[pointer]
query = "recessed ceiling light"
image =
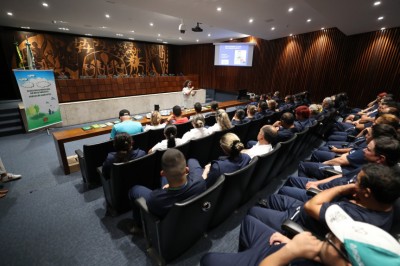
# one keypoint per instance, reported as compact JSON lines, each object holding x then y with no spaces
{"x":209,"y":35}
{"x":132,"y":31}
{"x":165,"y":42}
{"x":197,"y":40}
{"x":180,"y":38}
{"x":64,"y":29}
{"x":291,"y":34}
{"x":290,"y":9}
{"x":151,"y":24}
{"x":159,"y":35}
{"x":251,"y":20}
{"x":103,"y":27}
{"x":231,"y":39}
{"x":9,"y":13}
{"x":309,"y":20}
{"x":131,"y":39}
{"x":219,"y":9}
{"x":88,"y":34}
{"x":119,"y":34}
{"x":383,"y":28}
{"x":322,"y":28}
{"x":377,"y":3}
{"x":273,"y":28}
{"x":25,"y":27}
{"x":380,"y":18}
{"x":45,"y":4}
{"x":107,"y":16}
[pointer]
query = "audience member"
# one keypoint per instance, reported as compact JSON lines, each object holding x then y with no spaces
{"x":288,"y":105}
{"x":183,"y":183}
{"x":155,"y":121}
{"x":234,"y":159}
{"x":176,"y":116}
{"x":124,"y":152}
{"x":198,"y":131}
{"x":170,"y":141}
{"x":263,"y":110}
{"x":285,"y":127}
{"x":222,"y":122}
{"x":251,"y":112}
{"x":265,"y":139}
{"x":303,"y":120}
{"x":126,"y":125}
{"x":239,"y":118}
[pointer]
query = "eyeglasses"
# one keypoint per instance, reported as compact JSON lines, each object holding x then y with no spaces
{"x":341,"y":251}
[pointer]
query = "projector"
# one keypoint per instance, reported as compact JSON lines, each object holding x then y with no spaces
{"x":197,"y":28}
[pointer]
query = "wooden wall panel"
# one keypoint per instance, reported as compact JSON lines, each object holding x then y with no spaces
{"x":323,"y":63}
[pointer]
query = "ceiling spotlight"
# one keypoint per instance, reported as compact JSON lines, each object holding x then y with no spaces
{"x":197,"y":28}
{"x":45,"y":4}
{"x":107,"y":16}
{"x":380,"y":18}
{"x":151,"y":24}
{"x":9,"y":13}
{"x":273,"y":28}
{"x":383,"y":28}
{"x":290,"y":9}
{"x":377,"y":3}
{"x":309,"y":20}
{"x":219,"y":9}
{"x":251,"y":20}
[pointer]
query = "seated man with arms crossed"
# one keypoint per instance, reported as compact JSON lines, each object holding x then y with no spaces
{"x":182,"y":184}
{"x":126,"y":125}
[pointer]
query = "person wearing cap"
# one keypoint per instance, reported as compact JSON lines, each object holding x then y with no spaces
{"x":348,"y":243}
{"x":369,"y":199}
{"x":126,"y":125}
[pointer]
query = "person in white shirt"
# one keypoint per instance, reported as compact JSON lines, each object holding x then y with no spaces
{"x":188,"y":90}
{"x":222,"y":122}
{"x":198,"y":131}
{"x":170,"y":141}
{"x":155,"y":121}
{"x":265,"y":139}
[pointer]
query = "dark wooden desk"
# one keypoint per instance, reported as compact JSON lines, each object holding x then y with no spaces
{"x":62,"y":137}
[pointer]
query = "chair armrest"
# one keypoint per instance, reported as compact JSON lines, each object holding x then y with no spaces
{"x":79,"y":153}
{"x":100,"y":170}
{"x":331,"y":172}
{"x":291,"y":228}
{"x":150,"y":224}
{"x":313,"y":191}
{"x":141,"y":202}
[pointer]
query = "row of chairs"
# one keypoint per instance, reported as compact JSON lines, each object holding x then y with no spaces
{"x":187,"y":221}
{"x":93,"y":155}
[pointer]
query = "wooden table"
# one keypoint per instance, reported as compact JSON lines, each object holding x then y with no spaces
{"x":62,"y":137}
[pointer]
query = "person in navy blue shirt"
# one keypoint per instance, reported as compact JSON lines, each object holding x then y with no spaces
{"x":183,"y":183}
{"x":370,"y":199}
{"x":233,"y":161}
{"x":302,"y":118}
{"x":263,"y":110}
{"x":285,"y":127}
{"x":124,"y":152}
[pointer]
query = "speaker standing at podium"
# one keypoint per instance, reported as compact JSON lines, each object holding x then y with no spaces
{"x":188,"y":90}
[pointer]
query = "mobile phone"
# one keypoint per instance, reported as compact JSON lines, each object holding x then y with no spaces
{"x":157,"y":107}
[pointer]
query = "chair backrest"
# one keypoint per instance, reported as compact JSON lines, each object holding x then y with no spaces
{"x":185,"y":223}
{"x":185,"y":149}
{"x":141,"y":141}
{"x":241,"y":131}
{"x":300,"y":143}
{"x":395,"y":230}
{"x":231,"y":114}
{"x":200,"y":149}
{"x":141,"y":171}
{"x":216,"y":150}
{"x":284,"y":157}
{"x":260,"y":177}
{"x":94,"y":156}
{"x":253,"y":130}
{"x":232,"y":192}
{"x":210,"y":120}
{"x":155,"y":136}
{"x":183,"y":128}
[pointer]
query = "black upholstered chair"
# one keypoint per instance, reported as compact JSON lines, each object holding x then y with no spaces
{"x":185,"y":149}
{"x":284,"y":157}
{"x":90,"y":158}
{"x":143,"y":171}
{"x":155,"y":136}
{"x":300,"y":144}
{"x":200,"y":149}
{"x":216,"y":150}
{"x":183,"y":128}
{"x":260,"y":177}
{"x":241,"y":131}
{"x":184,"y":224}
{"x":141,"y":141}
{"x":210,"y":120}
{"x":253,"y":130}
{"x":232,"y":192}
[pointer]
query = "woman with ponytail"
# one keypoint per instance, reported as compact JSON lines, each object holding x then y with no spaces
{"x":124,"y":152}
{"x":170,"y":140}
{"x":198,"y":131}
{"x":233,"y":161}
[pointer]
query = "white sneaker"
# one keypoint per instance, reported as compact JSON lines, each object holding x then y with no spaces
{"x":10,"y":177}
